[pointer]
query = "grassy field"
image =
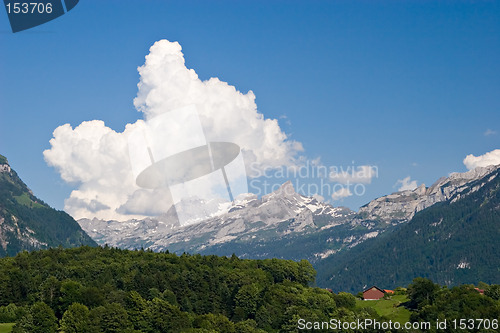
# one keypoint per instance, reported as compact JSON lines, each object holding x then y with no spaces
{"x":25,"y":200}
{"x":6,"y":328}
{"x":389,"y":308}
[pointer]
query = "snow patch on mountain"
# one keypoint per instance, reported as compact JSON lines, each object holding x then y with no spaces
{"x":280,"y":213}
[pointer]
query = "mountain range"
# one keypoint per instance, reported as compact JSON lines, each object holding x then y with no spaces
{"x":447,"y":232}
{"x":285,"y":224}
{"x":277,"y":215}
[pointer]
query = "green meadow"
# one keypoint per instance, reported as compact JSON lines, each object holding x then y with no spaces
{"x":390,"y":308}
{"x":6,"y":327}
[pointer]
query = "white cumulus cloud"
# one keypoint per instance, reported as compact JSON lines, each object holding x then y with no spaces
{"x":406,"y":184}
{"x":490,"y":158}
{"x":341,"y":193}
{"x":95,"y":158}
{"x":362,"y":174}
{"x":490,"y":132}
{"x":225,"y":113}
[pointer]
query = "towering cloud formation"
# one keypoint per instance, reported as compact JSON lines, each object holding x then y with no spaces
{"x":95,"y":158}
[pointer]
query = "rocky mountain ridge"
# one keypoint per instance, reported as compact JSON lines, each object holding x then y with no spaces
{"x":402,"y":206}
{"x":247,"y":218}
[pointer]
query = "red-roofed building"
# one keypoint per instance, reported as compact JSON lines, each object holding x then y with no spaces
{"x":481,"y":291}
{"x":373,"y":293}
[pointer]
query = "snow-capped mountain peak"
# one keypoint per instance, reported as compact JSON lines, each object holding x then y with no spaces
{"x":283,"y":211}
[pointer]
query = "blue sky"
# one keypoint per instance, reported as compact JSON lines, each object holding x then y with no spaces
{"x":411,"y":87}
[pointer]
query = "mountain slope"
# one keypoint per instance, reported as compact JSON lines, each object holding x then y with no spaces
{"x":452,"y":242}
{"x":27,"y":223}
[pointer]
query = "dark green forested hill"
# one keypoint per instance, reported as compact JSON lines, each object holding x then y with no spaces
{"x":27,"y":223}
{"x":94,"y":289}
{"x":453,"y":242}
{"x":101,"y":290}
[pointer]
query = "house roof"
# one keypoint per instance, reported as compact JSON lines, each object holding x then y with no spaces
{"x":364,"y":291}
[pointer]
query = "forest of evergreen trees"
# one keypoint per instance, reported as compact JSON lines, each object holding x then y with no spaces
{"x":95,"y":289}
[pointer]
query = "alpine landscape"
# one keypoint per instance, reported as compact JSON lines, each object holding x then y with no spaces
{"x":250,"y":166}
